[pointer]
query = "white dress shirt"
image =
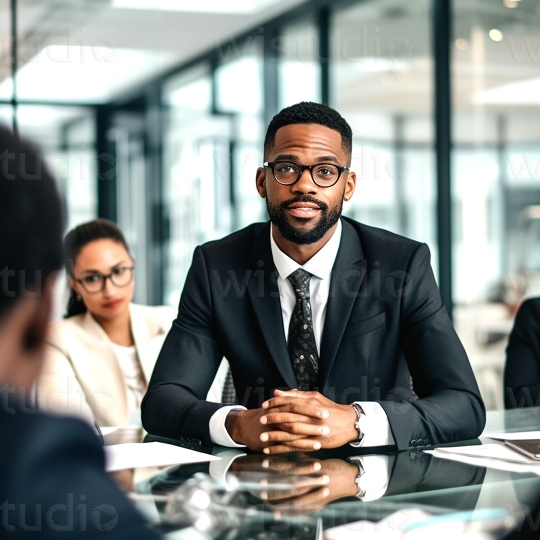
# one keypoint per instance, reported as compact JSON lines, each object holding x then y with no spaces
{"x":374,"y":423}
{"x":136,"y":386}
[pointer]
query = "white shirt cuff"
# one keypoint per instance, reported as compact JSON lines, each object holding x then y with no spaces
{"x":374,"y":480}
{"x":218,"y":469}
{"x":374,"y":425}
{"x":218,"y":431}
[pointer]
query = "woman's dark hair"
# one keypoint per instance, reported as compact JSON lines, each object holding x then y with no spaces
{"x":75,"y":240}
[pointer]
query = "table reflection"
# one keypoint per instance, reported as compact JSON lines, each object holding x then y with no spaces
{"x":288,"y":496}
{"x":297,"y":484}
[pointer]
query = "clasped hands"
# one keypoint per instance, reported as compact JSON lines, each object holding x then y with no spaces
{"x":300,"y":486}
{"x":291,"y":421}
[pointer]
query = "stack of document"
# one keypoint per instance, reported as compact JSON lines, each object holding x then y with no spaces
{"x":495,"y":456}
{"x":415,"y":524}
{"x":154,"y":454}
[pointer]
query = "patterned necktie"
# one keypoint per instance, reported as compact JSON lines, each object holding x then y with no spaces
{"x":301,"y":341}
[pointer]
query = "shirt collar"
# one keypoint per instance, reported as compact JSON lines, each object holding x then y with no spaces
{"x":320,"y":265}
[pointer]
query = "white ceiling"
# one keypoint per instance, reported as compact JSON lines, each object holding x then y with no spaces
{"x":488,"y":76}
{"x":148,"y":41}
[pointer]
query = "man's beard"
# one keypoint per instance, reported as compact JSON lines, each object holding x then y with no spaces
{"x":327,"y":220}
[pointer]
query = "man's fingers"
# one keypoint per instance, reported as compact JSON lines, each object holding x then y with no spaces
{"x":270,"y":436}
{"x":284,"y":466}
{"x":281,"y":443}
{"x":311,"y":501}
{"x":298,"y":489}
{"x":297,"y":428}
{"x":281,"y":496}
{"x":283,"y":417}
{"x":296,"y":405}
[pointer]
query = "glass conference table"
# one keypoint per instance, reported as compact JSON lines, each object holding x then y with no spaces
{"x":305,"y":496}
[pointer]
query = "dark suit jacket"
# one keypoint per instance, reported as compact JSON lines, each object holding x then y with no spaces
{"x":522,"y":371}
{"x":384,"y":319}
{"x":53,"y":483}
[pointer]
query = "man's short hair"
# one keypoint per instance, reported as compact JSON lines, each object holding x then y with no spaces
{"x":31,"y":221}
{"x":308,"y":112}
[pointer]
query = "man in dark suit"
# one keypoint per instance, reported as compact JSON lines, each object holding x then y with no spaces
{"x":52,"y":478}
{"x":522,"y":369}
{"x":323,"y":320}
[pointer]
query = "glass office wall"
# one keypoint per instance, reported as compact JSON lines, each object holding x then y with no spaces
{"x":381,"y":82}
{"x":66,"y":136}
{"x":212,"y":148}
{"x":496,"y":188}
{"x":240,"y":98}
{"x":299,"y":63}
{"x":188,"y":173}
{"x":186,"y":144}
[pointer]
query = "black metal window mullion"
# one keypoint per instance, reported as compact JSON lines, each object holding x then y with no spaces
{"x":441,"y":32}
{"x":324,"y":53}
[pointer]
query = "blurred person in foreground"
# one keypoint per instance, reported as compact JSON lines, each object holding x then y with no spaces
{"x":522,"y":369}
{"x":52,"y":478}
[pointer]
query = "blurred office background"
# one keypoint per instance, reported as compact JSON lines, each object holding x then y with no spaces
{"x":152,"y":113}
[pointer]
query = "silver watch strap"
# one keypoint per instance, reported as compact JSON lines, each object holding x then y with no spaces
{"x":359,"y":412}
{"x":357,"y":460}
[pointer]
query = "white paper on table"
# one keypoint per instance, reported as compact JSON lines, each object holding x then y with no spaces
{"x":391,"y":527}
{"x":154,"y":454}
{"x":521,"y":436}
{"x":493,"y":456}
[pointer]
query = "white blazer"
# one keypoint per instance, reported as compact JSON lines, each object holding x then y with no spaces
{"x":81,"y":375}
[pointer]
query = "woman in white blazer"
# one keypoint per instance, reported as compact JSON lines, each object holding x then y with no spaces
{"x":101,"y":356}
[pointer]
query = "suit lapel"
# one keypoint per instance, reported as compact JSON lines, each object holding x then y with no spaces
{"x":347,"y":276}
{"x":266,"y":303}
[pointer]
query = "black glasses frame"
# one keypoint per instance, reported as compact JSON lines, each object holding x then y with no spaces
{"x":302,"y":168}
{"x":105,"y":277}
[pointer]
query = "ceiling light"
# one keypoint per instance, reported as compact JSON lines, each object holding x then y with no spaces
{"x":495,"y":35}
{"x":462,"y":44}
{"x":200,"y":6}
{"x":510,"y":3}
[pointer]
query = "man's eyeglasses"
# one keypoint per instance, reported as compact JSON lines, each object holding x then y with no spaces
{"x":288,"y":173}
{"x":95,"y":283}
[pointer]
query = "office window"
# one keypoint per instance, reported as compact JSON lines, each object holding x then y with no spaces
{"x":299,"y":67}
{"x":496,"y":178}
{"x":240,"y":101}
{"x":66,"y":135}
{"x":189,"y":187}
{"x":381,"y":82}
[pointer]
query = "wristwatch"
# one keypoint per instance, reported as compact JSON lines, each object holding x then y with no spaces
{"x":359,"y":412}
{"x":357,"y":460}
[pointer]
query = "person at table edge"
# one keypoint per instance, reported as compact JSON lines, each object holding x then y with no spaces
{"x":52,"y":479}
{"x":372,"y":321}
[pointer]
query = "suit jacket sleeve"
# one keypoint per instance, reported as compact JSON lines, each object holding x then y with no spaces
{"x":522,"y":370}
{"x":58,"y":470}
{"x":449,"y":407}
{"x":174,"y":405}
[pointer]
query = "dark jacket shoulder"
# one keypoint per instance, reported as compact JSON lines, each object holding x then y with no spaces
{"x":380,"y":241}
{"x":237,"y":243}
{"x":50,"y":462}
